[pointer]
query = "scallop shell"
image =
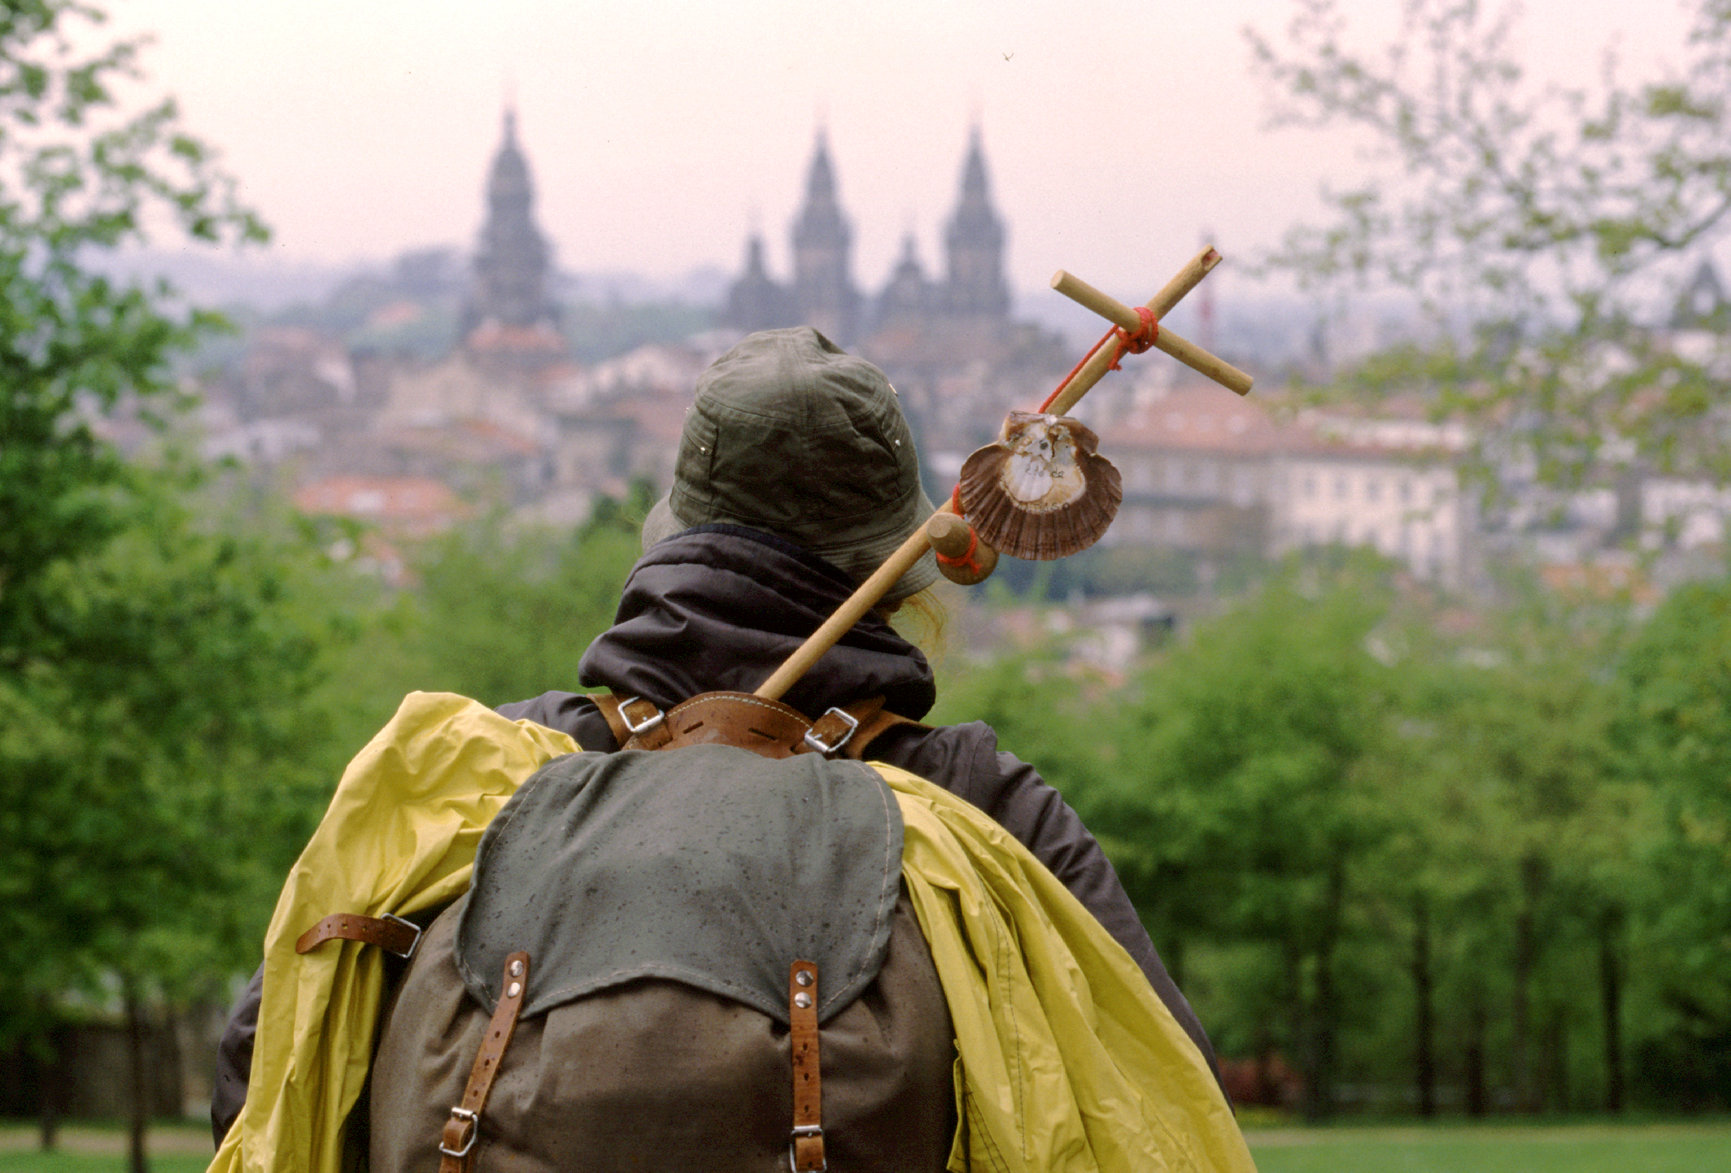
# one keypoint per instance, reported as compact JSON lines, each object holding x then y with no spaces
{"x":1041,"y":491}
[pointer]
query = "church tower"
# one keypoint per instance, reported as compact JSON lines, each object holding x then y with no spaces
{"x":823,"y":290}
{"x":755,"y":301}
{"x":1702,"y":304}
{"x":509,"y":290}
{"x":975,"y":287}
{"x":906,"y":302}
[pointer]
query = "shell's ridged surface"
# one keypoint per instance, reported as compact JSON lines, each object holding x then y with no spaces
{"x":1042,"y":491}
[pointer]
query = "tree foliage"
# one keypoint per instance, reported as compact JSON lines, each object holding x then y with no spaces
{"x":1543,"y":230}
{"x":78,"y":176}
{"x":158,"y":761}
{"x":1426,"y":858}
{"x":150,"y":662}
{"x":503,"y":612}
{"x":1250,"y":742}
{"x":1676,"y":729}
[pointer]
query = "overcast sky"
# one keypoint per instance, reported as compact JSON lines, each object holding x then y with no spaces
{"x":660,"y":134}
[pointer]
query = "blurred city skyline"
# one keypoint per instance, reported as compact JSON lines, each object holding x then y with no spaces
{"x":1117,"y":134}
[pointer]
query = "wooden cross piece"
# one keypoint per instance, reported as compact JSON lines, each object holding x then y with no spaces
{"x":1103,"y":358}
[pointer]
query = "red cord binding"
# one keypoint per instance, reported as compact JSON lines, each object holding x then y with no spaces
{"x":965,"y":559}
{"x":1126,"y":342}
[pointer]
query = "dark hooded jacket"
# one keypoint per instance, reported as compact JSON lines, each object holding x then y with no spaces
{"x":720,"y":608}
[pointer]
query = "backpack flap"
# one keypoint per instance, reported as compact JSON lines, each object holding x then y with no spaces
{"x":709,"y":865}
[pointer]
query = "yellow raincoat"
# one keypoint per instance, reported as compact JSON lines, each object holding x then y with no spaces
{"x":1068,"y":1059}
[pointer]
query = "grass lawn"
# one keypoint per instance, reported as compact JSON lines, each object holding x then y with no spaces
{"x":101,"y":1148}
{"x":1495,"y":1148}
{"x":1440,"y":1148}
{"x":67,"y":1162}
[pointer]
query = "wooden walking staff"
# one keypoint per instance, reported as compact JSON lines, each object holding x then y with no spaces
{"x":1137,"y":331}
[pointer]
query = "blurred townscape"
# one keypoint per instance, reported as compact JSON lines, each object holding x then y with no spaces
{"x":485,"y":379}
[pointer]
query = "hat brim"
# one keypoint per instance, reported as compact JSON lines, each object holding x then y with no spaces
{"x":660,"y":524}
{"x":861,"y":559}
{"x":857,"y":560}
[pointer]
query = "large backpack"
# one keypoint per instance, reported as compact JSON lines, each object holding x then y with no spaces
{"x":696,"y":958}
{"x":1066,"y":1058}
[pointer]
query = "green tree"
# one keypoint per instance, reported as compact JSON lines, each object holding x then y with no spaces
{"x":1389,"y":848}
{"x":81,"y":178}
{"x":1676,"y":730}
{"x":160,"y":762}
{"x":503,"y":613}
{"x":1508,"y":779}
{"x":1239,"y":803}
{"x":1542,"y":233}
{"x":1537,"y":228}
{"x":97,"y":756}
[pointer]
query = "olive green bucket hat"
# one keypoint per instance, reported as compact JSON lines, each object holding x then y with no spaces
{"x":791,"y":435}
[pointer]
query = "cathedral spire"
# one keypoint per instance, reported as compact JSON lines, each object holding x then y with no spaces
{"x":513,"y":258}
{"x":907,"y":299}
{"x":820,"y":201}
{"x":822,"y":243}
{"x":974,"y":240}
{"x":755,"y":301}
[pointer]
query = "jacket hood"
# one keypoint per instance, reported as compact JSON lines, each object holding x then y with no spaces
{"x":720,"y":607}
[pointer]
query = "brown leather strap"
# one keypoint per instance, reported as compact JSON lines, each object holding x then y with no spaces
{"x":870,"y":726}
{"x":805,"y":1145}
{"x":635,"y":722}
{"x":391,"y":933}
{"x":457,"y":1140}
{"x":608,"y":703}
{"x":742,"y":719}
{"x":750,"y":722}
{"x":834,"y":731}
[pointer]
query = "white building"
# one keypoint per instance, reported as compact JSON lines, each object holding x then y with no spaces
{"x":1387,"y":482}
{"x":1682,"y":514}
{"x":1206,"y":471}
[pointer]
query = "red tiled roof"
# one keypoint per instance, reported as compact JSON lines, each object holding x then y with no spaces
{"x":1203,"y":418}
{"x":492,"y":337}
{"x":660,"y":416}
{"x":475,"y":440}
{"x":409,"y":503}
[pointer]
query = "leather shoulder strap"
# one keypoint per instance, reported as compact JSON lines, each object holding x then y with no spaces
{"x":736,"y":718}
{"x":634,"y":722}
{"x":391,"y":933}
{"x":608,"y":703}
{"x":870,"y":726}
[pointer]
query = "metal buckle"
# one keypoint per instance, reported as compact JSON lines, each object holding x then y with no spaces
{"x":800,"y":1132}
{"x":409,"y":953}
{"x":815,"y":742}
{"x":474,"y":1123}
{"x":648,"y":722}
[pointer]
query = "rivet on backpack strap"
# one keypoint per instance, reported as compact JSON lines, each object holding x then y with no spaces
{"x":805,"y":1145}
